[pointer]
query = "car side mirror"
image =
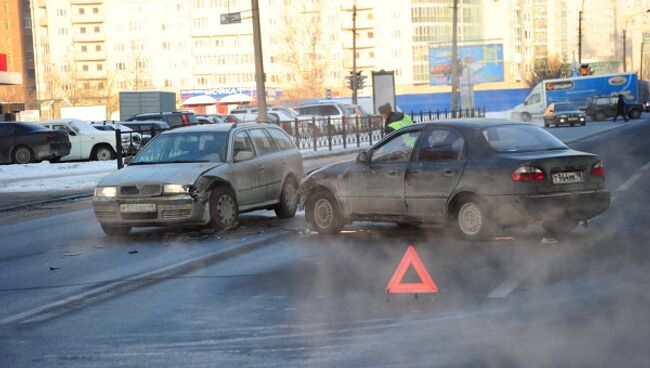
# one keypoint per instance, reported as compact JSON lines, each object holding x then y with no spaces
{"x":243,"y":156}
{"x":363,"y":158}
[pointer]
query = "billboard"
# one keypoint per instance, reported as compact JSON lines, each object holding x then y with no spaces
{"x":221,"y":92}
{"x":477,"y":64}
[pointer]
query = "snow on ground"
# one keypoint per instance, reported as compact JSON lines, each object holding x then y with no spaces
{"x":45,"y":176}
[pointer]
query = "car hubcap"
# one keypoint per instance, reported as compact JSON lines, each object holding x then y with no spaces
{"x":23,"y":156}
{"x":103,"y":154}
{"x":226,"y":210}
{"x":470,"y":219}
{"x":323,"y":213}
{"x":290,"y":196}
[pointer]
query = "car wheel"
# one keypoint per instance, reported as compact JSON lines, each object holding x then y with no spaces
{"x":116,"y":231}
{"x":526,"y":116}
{"x":599,"y":116}
{"x":288,"y":199}
{"x":224,"y":211}
{"x":102,"y":153}
{"x":473,"y":220}
{"x":634,"y":114}
{"x":559,"y":227}
{"x":324,"y":213}
{"x":22,"y":155}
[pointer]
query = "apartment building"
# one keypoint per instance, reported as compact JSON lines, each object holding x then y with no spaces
{"x":17,"y":80}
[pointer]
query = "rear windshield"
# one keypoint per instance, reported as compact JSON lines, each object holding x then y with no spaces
{"x":521,"y":138}
{"x":184,"y":147}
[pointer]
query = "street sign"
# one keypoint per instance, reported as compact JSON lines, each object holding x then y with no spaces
{"x":231,"y":18}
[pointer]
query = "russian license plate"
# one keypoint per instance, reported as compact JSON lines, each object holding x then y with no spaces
{"x":137,"y":207}
{"x":568,"y":177}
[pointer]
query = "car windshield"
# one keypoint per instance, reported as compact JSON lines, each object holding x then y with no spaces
{"x":521,"y":138}
{"x":184,"y":147}
{"x":565,"y":107}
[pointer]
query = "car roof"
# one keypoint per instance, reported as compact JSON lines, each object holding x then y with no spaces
{"x":214,"y":128}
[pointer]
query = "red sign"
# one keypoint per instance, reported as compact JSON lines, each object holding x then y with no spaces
{"x":411,"y":258}
{"x":3,"y":62}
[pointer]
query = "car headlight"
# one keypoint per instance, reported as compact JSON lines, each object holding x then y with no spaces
{"x":176,"y":189}
{"x":582,"y":118}
{"x":106,"y":192}
{"x":561,"y":120}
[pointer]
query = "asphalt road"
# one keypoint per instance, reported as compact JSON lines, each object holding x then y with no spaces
{"x":274,"y":295}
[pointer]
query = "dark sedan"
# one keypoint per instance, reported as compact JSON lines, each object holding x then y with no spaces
{"x":600,"y":108}
{"x":562,"y":113}
{"x":477,"y":176}
{"x":22,"y":143}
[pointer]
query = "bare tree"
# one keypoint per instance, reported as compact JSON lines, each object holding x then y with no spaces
{"x":303,"y":50}
{"x":548,"y":68}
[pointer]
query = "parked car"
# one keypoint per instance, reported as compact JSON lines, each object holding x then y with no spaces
{"x":87,"y":142}
{"x":600,"y":108}
{"x":277,"y":116}
{"x":561,"y":113}
{"x":251,"y":118}
{"x":131,"y":140}
{"x":23,"y":143}
{"x":173,"y":119}
{"x":145,"y":128}
{"x":474,"y":175}
{"x":336,"y":112}
{"x":210,"y":119}
{"x":202,"y":175}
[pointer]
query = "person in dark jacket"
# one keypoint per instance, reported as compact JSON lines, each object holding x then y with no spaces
{"x":394,"y":120}
{"x":620,"y":108}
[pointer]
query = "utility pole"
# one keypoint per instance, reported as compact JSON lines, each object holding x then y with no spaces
{"x":260,"y":77}
{"x":354,"y":54}
{"x":624,"y":50}
{"x":454,"y":60}
{"x":580,"y":37}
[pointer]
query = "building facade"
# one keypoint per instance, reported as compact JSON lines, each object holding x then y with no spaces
{"x":16,"y":45}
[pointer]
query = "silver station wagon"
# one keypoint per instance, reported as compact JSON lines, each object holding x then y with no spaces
{"x":202,"y":175}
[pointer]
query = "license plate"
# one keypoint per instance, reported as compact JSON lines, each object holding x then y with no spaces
{"x":138,"y":207}
{"x":568,"y":177}
{"x":573,"y":119}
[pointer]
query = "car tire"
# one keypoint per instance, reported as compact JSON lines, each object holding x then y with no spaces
{"x":472,"y":220}
{"x":116,"y":231}
{"x":102,"y":153}
{"x":599,"y":116}
{"x":224,"y":211}
{"x":634,"y":114}
{"x":288,"y":199}
{"x":22,"y":155}
{"x":526,"y":117}
{"x":559,"y":227}
{"x":324,"y":213}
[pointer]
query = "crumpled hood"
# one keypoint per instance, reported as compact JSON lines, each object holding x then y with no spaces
{"x":185,"y":173}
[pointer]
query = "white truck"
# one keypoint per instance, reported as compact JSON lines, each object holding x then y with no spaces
{"x":577,"y":91}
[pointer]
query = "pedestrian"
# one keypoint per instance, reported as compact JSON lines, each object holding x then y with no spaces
{"x":394,"y":120}
{"x":620,"y":108}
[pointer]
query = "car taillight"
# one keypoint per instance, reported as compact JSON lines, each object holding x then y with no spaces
{"x":528,"y":173}
{"x":186,"y":120}
{"x":598,"y":169}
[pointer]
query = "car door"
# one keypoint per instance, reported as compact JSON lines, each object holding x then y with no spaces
{"x":377,"y":188}
{"x":7,"y":133}
{"x":75,"y":142}
{"x":434,"y":172}
{"x":271,"y":160}
{"x":246,"y":173}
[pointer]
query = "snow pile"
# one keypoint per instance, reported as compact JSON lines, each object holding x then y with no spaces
{"x":44,"y":176}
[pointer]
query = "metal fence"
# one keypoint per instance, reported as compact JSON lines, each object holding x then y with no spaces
{"x":315,"y":133}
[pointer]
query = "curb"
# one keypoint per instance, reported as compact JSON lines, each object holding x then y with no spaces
{"x":47,"y":201}
{"x":117,"y":287}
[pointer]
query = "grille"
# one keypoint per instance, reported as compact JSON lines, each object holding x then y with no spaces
{"x":172,"y":214}
{"x":130,"y":190}
{"x":140,"y":216}
{"x":106,"y":215}
{"x":146,"y":190}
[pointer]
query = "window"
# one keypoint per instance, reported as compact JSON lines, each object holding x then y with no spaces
{"x":100,"y":67}
{"x":371,"y":35}
{"x":95,"y":10}
{"x":82,"y":30}
{"x":82,"y":11}
{"x":281,"y":138}
{"x":120,"y":66}
{"x":98,"y":47}
{"x":521,"y":138}
{"x":84,"y":68}
{"x":243,"y":143}
{"x":84,"y":48}
{"x":263,"y":141}
{"x":96,"y":29}
{"x":397,"y":149}
{"x":441,"y":144}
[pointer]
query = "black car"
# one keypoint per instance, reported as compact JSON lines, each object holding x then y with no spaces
{"x":646,"y":104}
{"x":600,"y":108}
{"x":477,"y":176}
{"x":174,"y":119}
{"x":23,"y":143}
{"x":561,"y":113}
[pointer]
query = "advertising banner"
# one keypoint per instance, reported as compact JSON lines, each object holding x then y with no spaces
{"x":477,"y":64}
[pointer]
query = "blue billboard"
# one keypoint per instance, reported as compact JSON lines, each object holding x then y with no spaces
{"x":580,"y":90}
{"x":477,"y":64}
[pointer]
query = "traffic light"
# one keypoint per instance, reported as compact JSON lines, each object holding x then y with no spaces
{"x":351,"y":80}
{"x":360,"y":80}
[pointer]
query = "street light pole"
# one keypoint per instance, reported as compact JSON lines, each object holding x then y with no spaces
{"x":454,"y":60}
{"x":259,"y":65}
{"x":355,"y":82}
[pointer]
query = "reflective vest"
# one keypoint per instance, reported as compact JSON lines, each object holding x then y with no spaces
{"x":406,"y":120}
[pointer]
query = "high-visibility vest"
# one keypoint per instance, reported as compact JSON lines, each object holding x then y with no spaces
{"x":406,"y":120}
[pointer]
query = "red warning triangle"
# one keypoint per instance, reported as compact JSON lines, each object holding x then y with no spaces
{"x":395,"y":285}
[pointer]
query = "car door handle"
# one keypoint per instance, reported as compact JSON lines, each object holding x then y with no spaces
{"x":448,"y":172}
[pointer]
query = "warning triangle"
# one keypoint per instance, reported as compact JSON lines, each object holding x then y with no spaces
{"x":395,"y":285}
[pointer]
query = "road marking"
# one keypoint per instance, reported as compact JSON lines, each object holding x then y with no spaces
{"x":629,"y":182}
{"x":512,"y":282}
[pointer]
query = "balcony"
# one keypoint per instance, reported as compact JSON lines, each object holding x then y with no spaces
{"x":89,"y":37}
{"x":90,"y":56}
{"x":87,"y":18}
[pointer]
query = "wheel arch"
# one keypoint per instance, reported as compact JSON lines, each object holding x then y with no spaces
{"x":455,"y":200}
{"x":100,"y":145}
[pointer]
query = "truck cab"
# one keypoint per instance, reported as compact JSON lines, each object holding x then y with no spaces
{"x":533,"y":106}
